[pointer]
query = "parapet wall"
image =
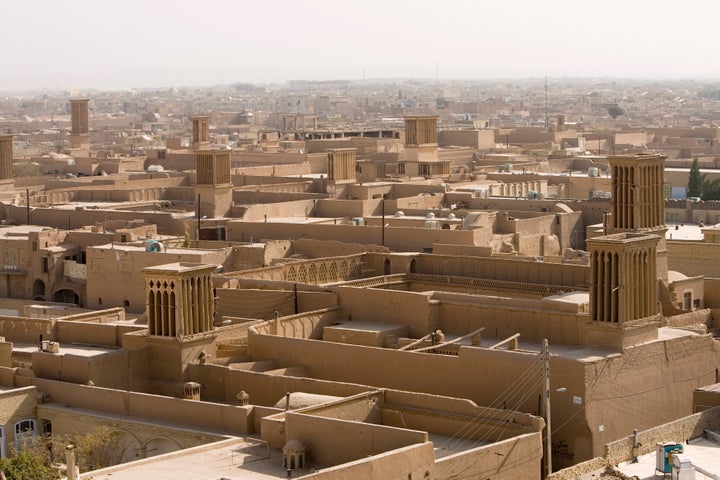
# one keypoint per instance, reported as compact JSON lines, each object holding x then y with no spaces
{"x":678,"y":431}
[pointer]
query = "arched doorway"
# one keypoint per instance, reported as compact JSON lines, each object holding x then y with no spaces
{"x":387,"y":269}
{"x":66,"y":296}
{"x":413,"y":266}
{"x":38,"y":290}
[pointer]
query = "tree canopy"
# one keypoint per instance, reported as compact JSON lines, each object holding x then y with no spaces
{"x":695,"y":180}
{"x":615,"y":110}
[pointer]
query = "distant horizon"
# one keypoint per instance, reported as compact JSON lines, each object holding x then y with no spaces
{"x":84,"y":44}
{"x":359,"y":82}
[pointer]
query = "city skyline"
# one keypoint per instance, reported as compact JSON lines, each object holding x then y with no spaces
{"x":88,"y":45}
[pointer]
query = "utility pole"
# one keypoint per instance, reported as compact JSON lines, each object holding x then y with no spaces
{"x":545,"y":355}
{"x":198,"y":221}
{"x":547,"y":119}
{"x":382,"y":223}
{"x":295,"y":298}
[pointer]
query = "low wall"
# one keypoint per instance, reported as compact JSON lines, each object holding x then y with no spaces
{"x":584,"y":468}
{"x":415,"y":461}
{"x":678,"y":431}
{"x":205,"y":415}
{"x":222,"y":384}
{"x":712,"y":293}
{"x":332,"y":442}
{"x":104,"y":334}
{"x":517,"y":457}
{"x":688,"y":319}
{"x":302,"y":325}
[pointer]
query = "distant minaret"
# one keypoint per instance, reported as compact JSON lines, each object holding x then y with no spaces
{"x":6,"y":158}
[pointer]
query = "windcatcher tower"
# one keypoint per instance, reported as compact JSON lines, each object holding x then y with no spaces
{"x":421,"y":148}
{"x":213,"y":186}
{"x":180,"y":314}
{"x":638,"y":200}
{"x":79,"y":124}
{"x":341,"y":164}
{"x":6,"y":160}
{"x":201,"y":132}
{"x":628,"y":264}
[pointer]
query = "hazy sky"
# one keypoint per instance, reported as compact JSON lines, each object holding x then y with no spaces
{"x":133,"y":43}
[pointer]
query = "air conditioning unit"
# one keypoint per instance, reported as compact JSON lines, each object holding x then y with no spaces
{"x":593,"y":172}
{"x":358,"y":221}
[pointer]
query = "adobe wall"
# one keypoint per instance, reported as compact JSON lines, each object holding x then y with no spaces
{"x":662,"y":374}
{"x":574,"y":276}
{"x":246,"y":197}
{"x":311,"y":248}
{"x":415,"y":461}
{"x":600,"y":386}
{"x":104,"y":334}
{"x":297,"y":208}
{"x":437,"y":406}
{"x":341,"y":208}
{"x":417,"y":372}
{"x":110,"y":266}
{"x":389,"y":306}
{"x":302,"y":325}
{"x":517,"y":457}
{"x":704,"y":399}
{"x":231,"y":419}
{"x":583,"y":468}
{"x":478,"y":139}
{"x":331,"y":442}
{"x":462,"y":250}
{"x":106,"y":370}
{"x":694,"y":258}
{"x":262,"y":304}
{"x":712,"y":292}
{"x":398,"y":238}
{"x":359,"y":408}
{"x":531,"y":318}
{"x":26,"y":330}
{"x":222,"y":384}
{"x":679,"y":431}
{"x":139,"y":438}
{"x":80,"y":217}
{"x":689,"y":319}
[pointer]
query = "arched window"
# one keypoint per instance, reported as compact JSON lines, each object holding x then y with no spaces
{"x":24,"y":429}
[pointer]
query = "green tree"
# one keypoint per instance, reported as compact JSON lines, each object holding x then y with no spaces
{"x":100,"y":448}
{"x":615,"y":110}
{"x":711,"y":189}
{"x":695,"y":181}
{"x":28,"y":464}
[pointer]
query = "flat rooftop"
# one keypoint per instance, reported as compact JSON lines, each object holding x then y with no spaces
{"x":704,"y":455}
{"x":236,"y":459}
{"x":685,"y":231}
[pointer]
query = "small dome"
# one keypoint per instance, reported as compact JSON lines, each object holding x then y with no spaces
{"x":430,"y":215}
{"x":451,"y":216}
{"x":399,"y":213}
{"x":295,"y":445}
